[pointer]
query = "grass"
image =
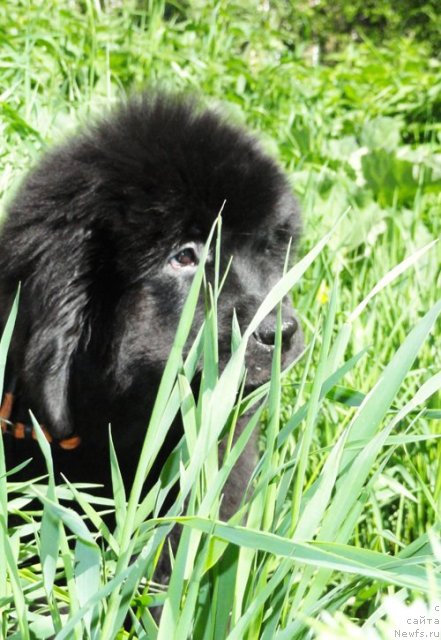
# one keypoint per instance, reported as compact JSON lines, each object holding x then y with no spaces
{"x":345,"y":504}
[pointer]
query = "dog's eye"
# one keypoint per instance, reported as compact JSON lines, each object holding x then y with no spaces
{"x":185,"y":258}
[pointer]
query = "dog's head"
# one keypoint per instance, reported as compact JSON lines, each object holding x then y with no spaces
{"x":105,"y":236}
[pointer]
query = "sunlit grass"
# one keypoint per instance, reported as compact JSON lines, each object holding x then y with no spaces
{"x":273,"y":564}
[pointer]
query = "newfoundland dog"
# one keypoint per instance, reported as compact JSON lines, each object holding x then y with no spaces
{"x":104,"y":236}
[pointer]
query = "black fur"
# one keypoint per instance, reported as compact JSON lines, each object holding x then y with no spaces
{"x":91,"y":236}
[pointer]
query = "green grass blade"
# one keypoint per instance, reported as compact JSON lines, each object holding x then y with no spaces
{"x":50,"y":527}
{"x":118,"y":489}
{"x":380,"y":398}
{"x":6,"y":338}
{"x":338,"y":557}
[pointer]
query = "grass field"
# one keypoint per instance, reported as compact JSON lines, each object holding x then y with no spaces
{"x":345,"y":507}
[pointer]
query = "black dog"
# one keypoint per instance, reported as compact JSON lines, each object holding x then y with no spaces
{"x":105,"y":236}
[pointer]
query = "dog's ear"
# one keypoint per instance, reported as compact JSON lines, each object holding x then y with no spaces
{"x":56,"y":308}
{"x":70,"y":302}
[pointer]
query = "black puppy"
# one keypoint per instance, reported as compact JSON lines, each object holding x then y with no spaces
{"x":105,"y":236}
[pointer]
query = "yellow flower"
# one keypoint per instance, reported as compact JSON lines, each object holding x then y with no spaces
{"x":323,"y":293}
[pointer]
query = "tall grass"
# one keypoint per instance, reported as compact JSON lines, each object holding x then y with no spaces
{"x":273,"y":566}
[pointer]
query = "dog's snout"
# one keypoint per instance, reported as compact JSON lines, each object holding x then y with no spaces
{"x":266,"y":332}
{"x":289,"y":328}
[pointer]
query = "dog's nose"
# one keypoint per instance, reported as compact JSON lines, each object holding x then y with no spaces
{"x":266,"y":331}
